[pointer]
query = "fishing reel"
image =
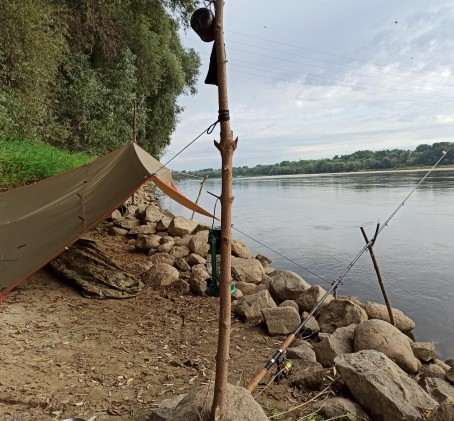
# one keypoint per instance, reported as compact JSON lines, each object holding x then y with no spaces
{"x":284,"y":368}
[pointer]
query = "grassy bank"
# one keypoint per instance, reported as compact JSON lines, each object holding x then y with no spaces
{"x":24,"y":162}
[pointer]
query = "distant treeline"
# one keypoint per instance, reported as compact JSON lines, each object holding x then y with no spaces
{"x":423,"y":155}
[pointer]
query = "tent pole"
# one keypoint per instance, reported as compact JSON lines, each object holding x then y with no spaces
{"x":226,"y":147}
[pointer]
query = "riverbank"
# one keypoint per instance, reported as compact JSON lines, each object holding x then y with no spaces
{"x":65,"y":356}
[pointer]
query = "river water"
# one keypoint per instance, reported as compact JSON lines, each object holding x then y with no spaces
{"x":315,"y":220}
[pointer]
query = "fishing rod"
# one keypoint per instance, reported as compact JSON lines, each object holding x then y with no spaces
{"x":288,"y":341}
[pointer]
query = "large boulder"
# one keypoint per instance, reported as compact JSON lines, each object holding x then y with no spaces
{"x":199,"y":243}
{"x":239,"y":249}
{"x":439,"y":389}
{"x":147,"y":242}
{"x":167,"y":244}
{"x":146,"y":229}
{"x":303,"y":351}
{"x":247,"y":288}
{"x":380,"y":311}
{"x":342,"y":409}
{"x":382,"y":388}
{"x":247,"y":270}
{"x":250,"y":306}
{"x":182,"y":264}
{"x":179,"y":251}
{"x":287,"y":285}
{"x":195,"y":259}
{"x":281,"y":320}
{"x":333,"y":345}
{"x":340,"y":313}
{"x":162,"y":257}
{"x":311,"y":326}
{"x":181,"y":226}
{"x":424,"y":351}
{"x":198,"y":280}
{"x":382,"y":336}
{"x":287,"y":303}
{"x":444,"y":412}
{"x":265,"y":261}
{"x":160,"y":274}
{"x":165,"y":410}
{"x":240,"y":405}
{"x":308,"y":299}
{"x":308,"y":375}
{"x":431,"y":370}
{"x":153,"y":214}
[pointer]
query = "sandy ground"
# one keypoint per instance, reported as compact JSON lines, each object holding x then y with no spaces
{"x":62,"y":355}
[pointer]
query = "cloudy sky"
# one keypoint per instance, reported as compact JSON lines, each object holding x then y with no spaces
{"x":315,"y":78}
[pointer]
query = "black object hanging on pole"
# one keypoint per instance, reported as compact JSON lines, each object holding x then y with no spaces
{"x":203,"y":23}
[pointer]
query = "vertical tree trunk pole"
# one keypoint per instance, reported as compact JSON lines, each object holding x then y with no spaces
{"x":377,"y":271}
{"x":226,"y":147}
{"x":200,"y":192}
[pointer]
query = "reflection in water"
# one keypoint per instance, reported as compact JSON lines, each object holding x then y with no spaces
{"x":315,"y":220}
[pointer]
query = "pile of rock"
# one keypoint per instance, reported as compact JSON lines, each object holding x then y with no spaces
{"x":390,"y":375}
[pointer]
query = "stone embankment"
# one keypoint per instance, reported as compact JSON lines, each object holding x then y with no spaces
{"x":389,"y":376}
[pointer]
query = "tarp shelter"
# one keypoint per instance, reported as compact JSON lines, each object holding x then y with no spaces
{"x":38,"y":221}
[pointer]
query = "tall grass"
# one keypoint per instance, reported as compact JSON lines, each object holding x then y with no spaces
{"x":24,"y":162}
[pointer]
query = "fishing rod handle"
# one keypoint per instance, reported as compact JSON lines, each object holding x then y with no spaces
{"x":262,"y":373}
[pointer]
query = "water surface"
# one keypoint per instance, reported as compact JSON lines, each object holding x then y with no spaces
{"x":314,"y":220}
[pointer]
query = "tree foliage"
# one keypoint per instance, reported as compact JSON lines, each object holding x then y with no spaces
{"x":72,"y":70}
{"x":423,"y":155}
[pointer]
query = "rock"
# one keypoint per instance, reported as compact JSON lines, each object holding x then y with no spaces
{"x":383,"y":389}
{"x":239,"y":249}
{"x":266,"y":281}
{"x":308,"y":375}
{"x":308,"y":299}
{"x":301,"y":352}
{"x":182,"y":241}
{"x":182,"y":265}
{"x":181,"y":286}
{"x":247,"y":288}
{"x":287,"y":285}
{"x":281,"y":320}
{"x":202,"y":226}
{"x":340,"y":312}
{"x":247,"y":270}
{"x":450,"y":375}
{"x":117,"y":232}
{"x":250,"y":306}
{"x":311,"y":327}
{"x":163,"y":224}
{"x":442,"y":364}
{"x":116,"y":214}
{"x":240,"y":405}
{"x":260,"y":287}
{"x":338,"y":343}
{"x":265,"y":261}
{"x":380,"y":311}
{"x":147,"y":242}
{"x":198,"y":280}
{"x":127,"y":223}
{"x":162,"y":233}
{"x":179,"y":251}
{"x":161,"y":274}
{"x":165,"y":409}
{"x":342,"y":409}
{"x":270,"y":271}
{"x":450,"y":362}
{"x":236,"y":296}
{"x":162,"y":257}
{"x":166,"y":245}
{"x":199,"y":243}
{"x":153,"y":214}
{"x":289,"y":303}
{"x":194,"y":259}
{"x":382,"y":336}
{"x":168,"y":214}
{"x":143,"y":229}
{"x":424,"y":351}
{"x":181,"y":226}
{"x":439,"y":389}
{"x":431,"y":370}
{"x":444,"y":412}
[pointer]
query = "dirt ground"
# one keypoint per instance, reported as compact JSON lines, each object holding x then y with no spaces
{"x":65,"y":356}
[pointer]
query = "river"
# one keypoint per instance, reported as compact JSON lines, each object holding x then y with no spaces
{"x":315,"y":220}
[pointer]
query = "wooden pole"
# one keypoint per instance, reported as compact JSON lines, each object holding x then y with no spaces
{"x":377,"y":271}
{"x":200,"y":192}
{"x":226,"y":147}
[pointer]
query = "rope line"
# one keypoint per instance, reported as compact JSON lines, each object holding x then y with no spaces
{"x":280,"y":254}
{"x":209,"y":130}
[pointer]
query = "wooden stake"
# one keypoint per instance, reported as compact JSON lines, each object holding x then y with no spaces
{"x":377,"y":271}
{"x":200,"y":192}
{"x":226,"y":147}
